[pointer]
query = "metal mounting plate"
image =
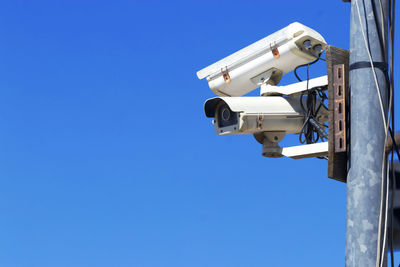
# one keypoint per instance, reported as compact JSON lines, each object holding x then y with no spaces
{"x":339,"y":108}
{"x":337,"y":159}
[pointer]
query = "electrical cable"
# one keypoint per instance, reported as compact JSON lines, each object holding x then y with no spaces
{"x":394,"y":146}
{"x":386,"y":214}
{"x":380,"y":29}
{"x":391,"y":210}
{"x":312,"y":130}
{"x":393,"y":149}
{"x":380,"y":252}
{"x":300,"y":66}
{"x":392,"y":154}
{"x":383,"y":39}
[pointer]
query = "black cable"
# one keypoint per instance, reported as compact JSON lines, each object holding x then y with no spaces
{"x":379,"y":30}
{"x":392,"y":209}
{"x":392,"y":24}
{"x":312,"y":130}
{"x":395,"y":146}
{"x":392,"y":129}
{"x":300,"y":66}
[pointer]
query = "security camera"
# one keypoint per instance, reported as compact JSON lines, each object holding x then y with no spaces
{"x":265,"y":61}
{"x":279,"y":111}
{"x":249,"y":115}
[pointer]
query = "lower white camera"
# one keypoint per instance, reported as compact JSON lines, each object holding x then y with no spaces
{"x":249,"y":115}
{"x":281,"y":110}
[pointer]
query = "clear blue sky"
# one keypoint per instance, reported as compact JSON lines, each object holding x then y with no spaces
{"x":107,"y":158}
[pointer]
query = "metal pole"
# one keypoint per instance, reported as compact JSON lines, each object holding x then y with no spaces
{"x":367,"y":133}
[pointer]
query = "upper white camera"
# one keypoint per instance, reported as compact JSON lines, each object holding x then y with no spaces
{"x":265,"y":61}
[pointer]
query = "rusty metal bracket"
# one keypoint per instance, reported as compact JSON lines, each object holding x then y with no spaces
{"x":274,"y":50}
{"x":339,"y":109}
{"x":260,"y":121}
{"x":337,"y":63}
{"x":225,"y":74}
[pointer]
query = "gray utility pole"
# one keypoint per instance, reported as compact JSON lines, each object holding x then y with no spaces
{"x":367,"y":133}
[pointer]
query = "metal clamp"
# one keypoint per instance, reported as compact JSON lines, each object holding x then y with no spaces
{"x":274,"y":50}
{"x":225,"y":74}
{"x":260,"y":121}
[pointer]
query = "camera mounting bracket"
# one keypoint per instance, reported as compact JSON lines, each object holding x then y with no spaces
{"x":294,"y":89}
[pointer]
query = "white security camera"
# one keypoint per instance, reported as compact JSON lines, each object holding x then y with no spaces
{"x":265,"y":61}
{"x":280,"y":110}
{"x":249,"y":115}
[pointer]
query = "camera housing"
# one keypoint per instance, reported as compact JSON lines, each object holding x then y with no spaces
{"x":265,"y":61}
{"x":268,"y":118}
{"x":249,"y":115}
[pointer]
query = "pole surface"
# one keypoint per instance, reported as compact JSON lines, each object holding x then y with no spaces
{"x":367,"y":133}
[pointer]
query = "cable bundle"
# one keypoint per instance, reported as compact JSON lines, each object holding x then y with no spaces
{"x":312,"y":130}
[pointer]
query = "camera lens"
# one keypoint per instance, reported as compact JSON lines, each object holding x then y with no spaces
{"x":225,"y":114}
